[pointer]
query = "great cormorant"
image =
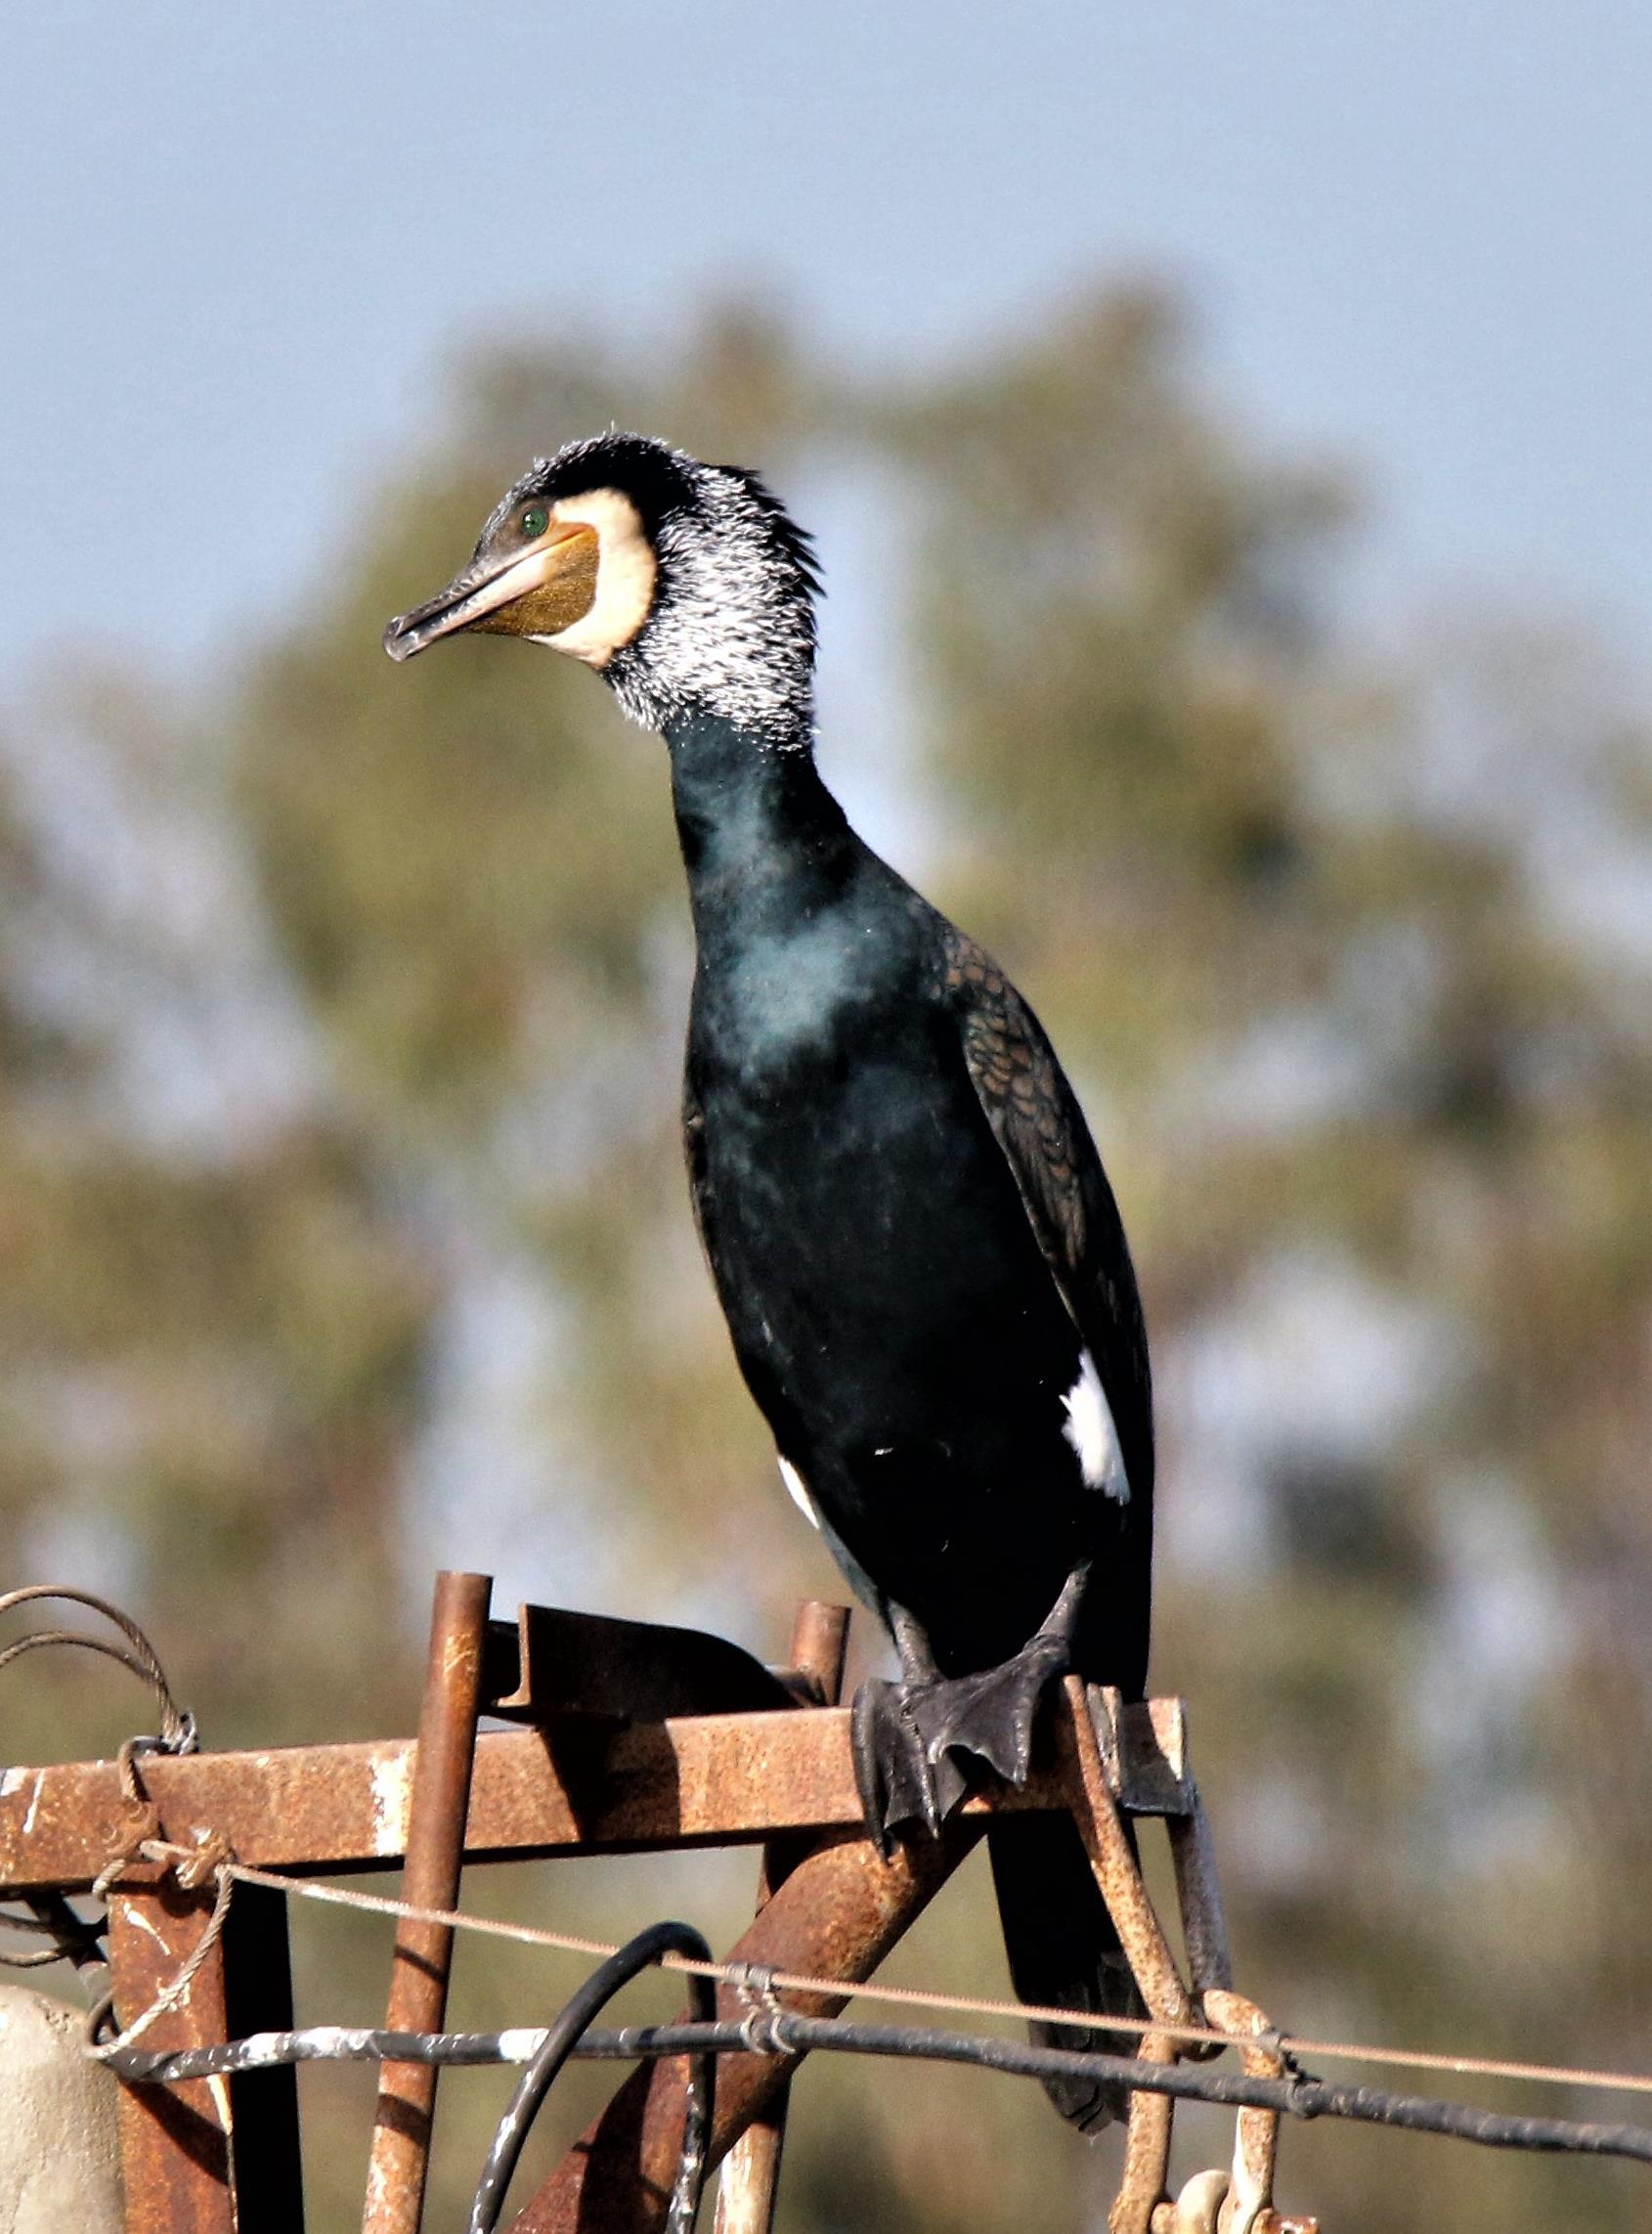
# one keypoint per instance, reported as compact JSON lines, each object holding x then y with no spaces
{"x":917,"y":1251}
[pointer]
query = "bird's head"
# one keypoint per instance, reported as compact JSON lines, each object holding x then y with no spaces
{"x":687,"y":585}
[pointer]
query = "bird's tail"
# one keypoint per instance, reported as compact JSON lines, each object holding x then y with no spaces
{"x":1063,"y":1953}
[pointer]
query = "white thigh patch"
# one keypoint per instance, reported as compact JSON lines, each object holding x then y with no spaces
{"x":795,"y":1490}
{"x":1091,"y":1432}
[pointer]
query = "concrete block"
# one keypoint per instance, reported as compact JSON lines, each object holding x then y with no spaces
{"x":60,"y":2152}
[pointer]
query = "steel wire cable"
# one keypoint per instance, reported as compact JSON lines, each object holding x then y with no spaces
{"x":784,"y":2033}
{"x":922,"y":1998}
{"x":177,"y":1733}
{"x":73,"y":1937}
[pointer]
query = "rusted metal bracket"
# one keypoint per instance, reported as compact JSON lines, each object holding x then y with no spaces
{"x":549,"y":1664}
{"x":1143,"y":1746}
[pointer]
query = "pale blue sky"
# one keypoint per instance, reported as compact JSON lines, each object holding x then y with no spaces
{"x":240,"y":245}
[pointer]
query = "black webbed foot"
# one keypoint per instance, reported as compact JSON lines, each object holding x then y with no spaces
{"x":990,"y":1716}
{"x":909,"y":1738}
{"x":897,"y":1780}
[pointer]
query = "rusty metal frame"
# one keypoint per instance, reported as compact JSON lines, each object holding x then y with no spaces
{"x":579,"y":1786}
{"x":400,"y":2161}
{"x":569,"y":1789}
{"x":749,"y":2178}
{"x":762,"y":1769}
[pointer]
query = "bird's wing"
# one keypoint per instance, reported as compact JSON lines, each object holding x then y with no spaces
{"x":1037,"y":1123}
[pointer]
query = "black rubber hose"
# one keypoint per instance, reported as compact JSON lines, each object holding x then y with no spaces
{"x":560,"y":2043}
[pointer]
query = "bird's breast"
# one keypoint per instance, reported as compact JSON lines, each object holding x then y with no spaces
{"x":791,"y":1001}
{"x":855,"y":1182}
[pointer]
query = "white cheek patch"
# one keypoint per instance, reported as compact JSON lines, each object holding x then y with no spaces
{"x":795,"y":1490}
{"x":626,"y":571}
{"x":1091,"y":1431}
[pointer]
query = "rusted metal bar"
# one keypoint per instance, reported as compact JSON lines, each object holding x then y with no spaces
{"x":175,"y":2148}
{"x":704,"y":1780}
{"x":837,"y":1915}
{"x":748,"y":2180}
{"x":582,"y":1785}
{"x":1108,"y":1844}
{"x":820,"y":1645}
{"x":1147,"y":2152}
{"x":1146,"y":2146}
{"x":1249,"y":2206}
{"x":1204,"y":1924}
{"x":436,"y":1826}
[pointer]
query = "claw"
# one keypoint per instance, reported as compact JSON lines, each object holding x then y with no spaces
{"x":892,"y":1772}
{"x":990,"y":1715}
{"x":906,"y":1737}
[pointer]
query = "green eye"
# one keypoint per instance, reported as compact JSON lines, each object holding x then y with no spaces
{"x":535,"y":521}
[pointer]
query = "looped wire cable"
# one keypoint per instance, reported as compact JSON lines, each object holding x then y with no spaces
{"x":177,"y":1733}
{"x":175,"y":1988}
{"x":638,"y":1955}
{"x":73,"y":1937}
{"x":30,"y":1959}
{"x":763,"y":2033}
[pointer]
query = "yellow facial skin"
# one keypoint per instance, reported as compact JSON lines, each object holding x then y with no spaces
{"x":566,"y":561}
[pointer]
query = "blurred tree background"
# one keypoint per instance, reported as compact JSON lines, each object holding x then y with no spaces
{"x":346,"y":1231}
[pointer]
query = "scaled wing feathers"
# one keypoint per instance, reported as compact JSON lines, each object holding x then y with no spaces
{"x":1040,"y":1127}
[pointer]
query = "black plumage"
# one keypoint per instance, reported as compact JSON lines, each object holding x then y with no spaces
{"x":917,"y":1253}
